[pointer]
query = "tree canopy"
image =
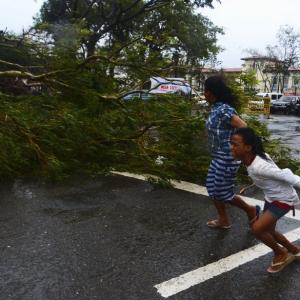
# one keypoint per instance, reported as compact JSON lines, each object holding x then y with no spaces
{"x":71,"y":67}
{"x":156,"y":33}
{"x":122,"y":21}
{"x":61,"y":106}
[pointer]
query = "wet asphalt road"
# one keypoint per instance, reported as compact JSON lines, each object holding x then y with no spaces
{"x":286,"y":128}
{"x":114,"y":238}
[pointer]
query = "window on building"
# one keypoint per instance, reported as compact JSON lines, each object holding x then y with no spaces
{"x":274,"y":83}
{"x":286,"y":82}
{"x":296,"y":81}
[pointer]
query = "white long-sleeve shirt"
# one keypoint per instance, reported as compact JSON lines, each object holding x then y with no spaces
{"x":277,"y":184}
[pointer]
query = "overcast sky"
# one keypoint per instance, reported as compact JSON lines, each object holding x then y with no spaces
{"x":17,"y":14}
{"x":251,"y":24}
{"x":247,"y":23}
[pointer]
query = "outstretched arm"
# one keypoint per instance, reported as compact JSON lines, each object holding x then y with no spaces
{"x":285,"y":175}
{"x":237,"y":122}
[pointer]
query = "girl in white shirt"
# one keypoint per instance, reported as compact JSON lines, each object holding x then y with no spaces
{"x":280,"y":195}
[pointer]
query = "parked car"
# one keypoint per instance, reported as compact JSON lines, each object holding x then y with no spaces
{"x":158,"y":86}
{"x":140,"y":94}
{"x":286,"y":104}
{"x":297,"y":108}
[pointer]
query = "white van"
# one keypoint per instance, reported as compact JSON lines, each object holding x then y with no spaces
{"x":160,"y":85}
{"x":272,"y":95}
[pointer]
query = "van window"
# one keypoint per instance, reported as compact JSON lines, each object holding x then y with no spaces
{"x":273,"y":96}
{"x":147,"y":85}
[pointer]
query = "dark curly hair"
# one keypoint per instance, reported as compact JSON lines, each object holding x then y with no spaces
{"x":251,"y":138}
{"x":217,"y":85}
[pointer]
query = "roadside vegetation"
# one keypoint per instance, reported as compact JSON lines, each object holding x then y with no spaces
{"x":61,"y":86}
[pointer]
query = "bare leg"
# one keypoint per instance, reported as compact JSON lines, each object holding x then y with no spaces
{"x":237,"y":201}
{"x":222,"y":212}
{"x":223,"y":219}
{"x":263,"y":230}
{"x":250,"y":210}
{"x":282,"y":240}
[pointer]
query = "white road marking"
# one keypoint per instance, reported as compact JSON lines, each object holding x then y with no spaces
{"x":201,"y":190}
{"x":187,"y":280}
{"x":197,"y":276}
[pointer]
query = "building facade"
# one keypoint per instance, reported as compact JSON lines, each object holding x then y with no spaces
{"x":268,"y":80}
{"x":268,"y":76}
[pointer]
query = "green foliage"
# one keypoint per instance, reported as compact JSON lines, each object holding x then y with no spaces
{"x":49,"y":137}
{"x":161,"y":182}
{"x":249,"y":82}
{"x":140,"y":33}
{"x":176,"y":148}
{"x":68,"y":116}
{"x":242,"y":88}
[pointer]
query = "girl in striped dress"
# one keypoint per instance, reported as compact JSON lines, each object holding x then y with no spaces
{"x":221,"y":123}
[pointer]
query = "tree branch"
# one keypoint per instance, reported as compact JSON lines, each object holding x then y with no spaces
{"x":28,"y":136}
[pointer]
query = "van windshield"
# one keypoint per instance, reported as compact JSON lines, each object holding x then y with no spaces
{"x":286,"y":98}
{"x":274,"y":97}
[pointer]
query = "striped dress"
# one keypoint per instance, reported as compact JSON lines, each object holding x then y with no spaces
{"x":222,"y":171}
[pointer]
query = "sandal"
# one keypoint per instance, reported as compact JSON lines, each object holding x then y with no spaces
{"x":257,"y":212}
{"x":297,"y":256}
{"x":216,"y":224}
{"x":277,"y":267}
